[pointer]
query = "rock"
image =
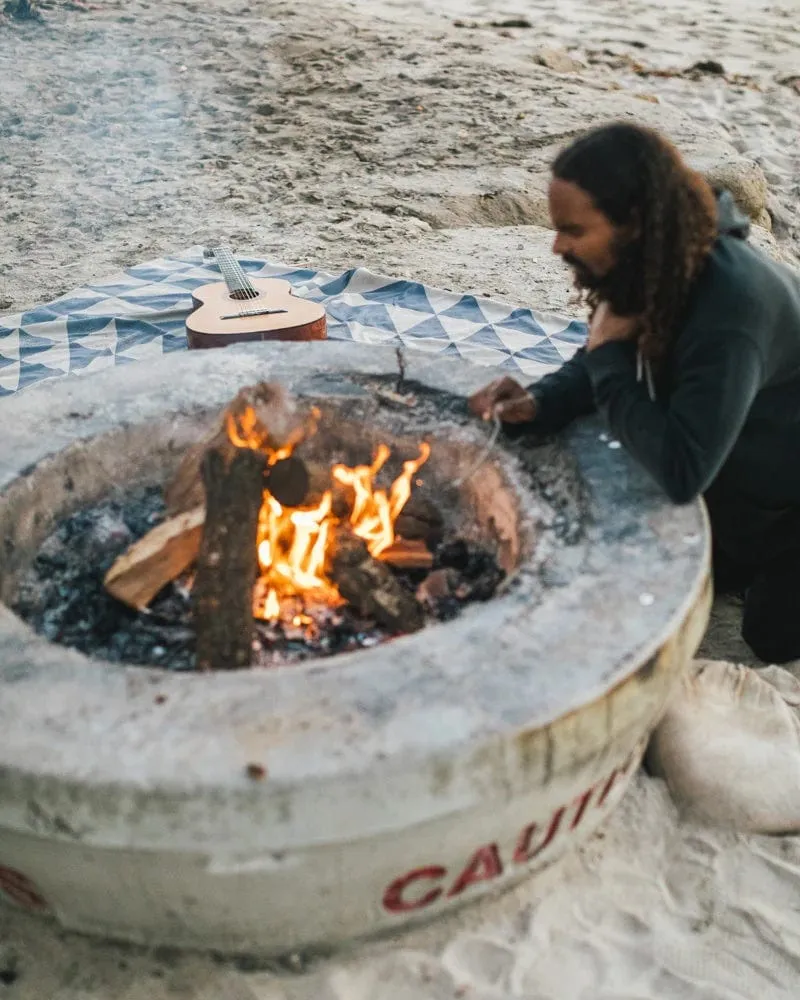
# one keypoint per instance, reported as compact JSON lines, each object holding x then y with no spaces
{"x":744,"y":179}
{"x":557,"y":60}
{"x":792,"y":81}
{"x":708,"y":66}
{"x":437,"y":585}
{"x":512,"y":22}
{"x":729,"y":747}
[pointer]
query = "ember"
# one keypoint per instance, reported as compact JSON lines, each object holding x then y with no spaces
{"x":63,"y":597}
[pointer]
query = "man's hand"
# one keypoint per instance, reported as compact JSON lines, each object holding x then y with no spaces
{"x":506,"y":398}
{"x":607,"y":326}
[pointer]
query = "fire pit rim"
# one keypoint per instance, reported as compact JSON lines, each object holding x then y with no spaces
{"x":45,"y":683}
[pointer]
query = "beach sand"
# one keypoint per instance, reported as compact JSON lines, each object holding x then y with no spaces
{"x":414,"y":139}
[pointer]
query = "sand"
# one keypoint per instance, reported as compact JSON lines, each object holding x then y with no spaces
{"x":412,"y":138}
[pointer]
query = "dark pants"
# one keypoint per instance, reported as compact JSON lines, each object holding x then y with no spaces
{"x":771,"y":590}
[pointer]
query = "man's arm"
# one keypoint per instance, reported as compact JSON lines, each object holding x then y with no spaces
{"x":563,"y":395}
{"x":684,"y":441}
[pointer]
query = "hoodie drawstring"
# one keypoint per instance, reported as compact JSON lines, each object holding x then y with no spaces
{"x":643,"y":369}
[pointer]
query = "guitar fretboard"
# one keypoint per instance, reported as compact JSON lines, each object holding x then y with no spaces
{"x":239,"y":285}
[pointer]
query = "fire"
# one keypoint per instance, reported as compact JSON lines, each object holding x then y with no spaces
{"x":374,"y":513}
{"x":245,"y":433}
{"x":294,"y":543}
{"x":292,"y":550}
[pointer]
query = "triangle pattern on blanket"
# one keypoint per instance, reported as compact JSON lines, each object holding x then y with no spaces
{"x":140,"y":314}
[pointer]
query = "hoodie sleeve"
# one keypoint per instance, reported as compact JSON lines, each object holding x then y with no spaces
{"x":563,"y":395}
{"x":683,"y":441}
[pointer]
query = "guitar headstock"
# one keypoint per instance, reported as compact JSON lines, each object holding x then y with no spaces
{"x":221,"y":250}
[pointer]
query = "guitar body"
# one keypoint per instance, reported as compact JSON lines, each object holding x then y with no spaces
{"x":270,"y":312}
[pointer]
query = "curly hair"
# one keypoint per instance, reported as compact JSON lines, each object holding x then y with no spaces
{"x":637,"y":178}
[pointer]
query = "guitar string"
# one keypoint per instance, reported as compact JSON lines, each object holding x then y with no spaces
{"x":240,"y":275}
{"x":248,"y":285}
{"x":237,"y":273}
{"x":242,"y":279}
{"x":245,"y":280}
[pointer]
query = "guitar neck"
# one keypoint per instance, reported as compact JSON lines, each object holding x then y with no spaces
{"x":239,"y":285}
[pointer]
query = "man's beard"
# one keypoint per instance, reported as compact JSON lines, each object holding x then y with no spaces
{"x":622,"y":287}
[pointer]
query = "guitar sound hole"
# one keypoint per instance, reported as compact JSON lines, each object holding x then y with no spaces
{"x":244,"y":293}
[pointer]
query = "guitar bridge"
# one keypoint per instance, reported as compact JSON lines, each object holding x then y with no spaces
{"x":253,"y":312}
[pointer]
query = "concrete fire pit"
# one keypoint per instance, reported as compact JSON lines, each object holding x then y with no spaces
{"x":301,"y":807}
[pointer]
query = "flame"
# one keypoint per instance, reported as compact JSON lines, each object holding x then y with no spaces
{"x":292,"y":549}
{"x":244,"y":434}
{"x":374,"y":513}
{"x":294,"y":543}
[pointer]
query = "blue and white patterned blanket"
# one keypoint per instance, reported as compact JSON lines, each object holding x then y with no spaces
{"x":140,"y":315}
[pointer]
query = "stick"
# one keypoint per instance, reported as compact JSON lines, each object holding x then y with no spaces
{"x":483,"y":455}
{"x":400,"y":384}
{"x":227,"y":564}
{"x":407,"y":553}
{"x":371,"y":587}
{"x":156,"y":559}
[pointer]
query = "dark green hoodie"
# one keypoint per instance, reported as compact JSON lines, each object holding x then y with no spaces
{"x":725,"y":421}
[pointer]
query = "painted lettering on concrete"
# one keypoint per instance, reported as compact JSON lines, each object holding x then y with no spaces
{"x":408,"y":892}
{"x":485,"y":864}
{"x":424,"y":886}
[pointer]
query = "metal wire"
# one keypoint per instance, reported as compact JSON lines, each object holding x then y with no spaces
{"x":484,"y":454}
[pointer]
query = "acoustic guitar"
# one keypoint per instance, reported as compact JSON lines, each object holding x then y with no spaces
{"x":240,"y":309}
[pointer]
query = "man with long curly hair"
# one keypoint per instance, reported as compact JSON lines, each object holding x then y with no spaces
{"x":692,"y":359}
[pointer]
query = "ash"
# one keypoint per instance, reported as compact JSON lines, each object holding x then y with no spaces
{"x":62,"y":597}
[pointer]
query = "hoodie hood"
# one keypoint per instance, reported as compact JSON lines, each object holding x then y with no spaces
{"x":731,"y":221}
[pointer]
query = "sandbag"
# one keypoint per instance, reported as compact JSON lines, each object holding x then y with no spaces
{"x":729,"y":747}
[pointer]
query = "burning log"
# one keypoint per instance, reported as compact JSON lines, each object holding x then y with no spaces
{"x":185,"y":491}
{"x":156,"y":559}
{"x":262,"y":416}
{"x":227,"y":564}
{"x":420,"y":518}
{"x":407,"y":553}
{"x":289,"y":479}
{"x":371,"y":588}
